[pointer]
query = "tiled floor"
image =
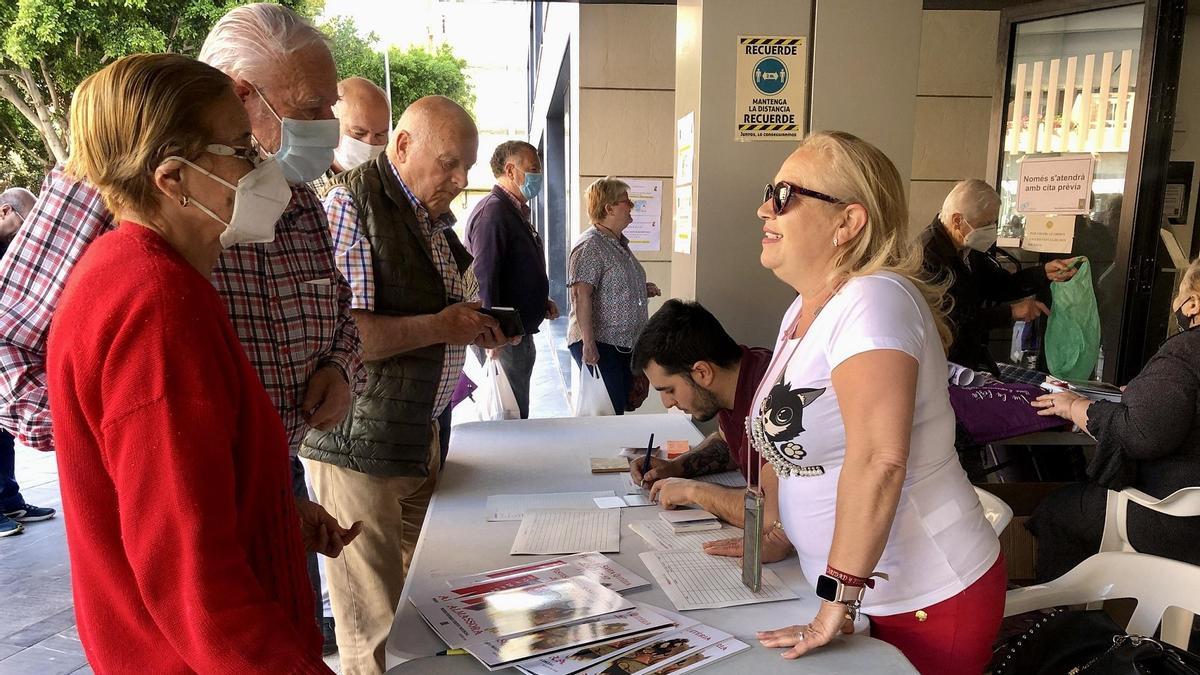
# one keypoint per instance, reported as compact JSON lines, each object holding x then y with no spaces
{"x":37,"y":620}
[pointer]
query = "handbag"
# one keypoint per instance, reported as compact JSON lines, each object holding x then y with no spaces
{"x":1089,"y":642}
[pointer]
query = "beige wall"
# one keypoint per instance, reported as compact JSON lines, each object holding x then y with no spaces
{"x":953,"y":107}
{"x":626,"y":101}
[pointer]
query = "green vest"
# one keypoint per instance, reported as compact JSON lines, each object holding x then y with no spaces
{"x":388,"y":431}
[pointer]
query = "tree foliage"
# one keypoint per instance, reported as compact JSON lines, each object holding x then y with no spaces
{"x":415,"y":71}
{"x":49,"y":46}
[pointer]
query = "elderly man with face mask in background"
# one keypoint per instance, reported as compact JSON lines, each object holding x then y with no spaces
{"x":286,"y":299}
{"x":415,"y":304}
{"x":364,"y":115}
{"x":957,"y":245}
{"x":510,"y":259}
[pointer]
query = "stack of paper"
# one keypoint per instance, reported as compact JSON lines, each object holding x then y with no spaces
{"x":690,"y":520}
{"x":661,"y":537}
{"x":695,"y":580}
{"x":556,"y":531}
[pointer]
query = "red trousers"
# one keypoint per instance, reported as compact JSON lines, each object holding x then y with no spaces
{"x":957,"y":634}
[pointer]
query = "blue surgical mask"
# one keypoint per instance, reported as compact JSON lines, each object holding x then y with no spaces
{"x":532,"y":185}
{"x":305,"y":146}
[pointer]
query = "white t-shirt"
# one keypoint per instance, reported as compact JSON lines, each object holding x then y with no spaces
{"x":940,"y":542}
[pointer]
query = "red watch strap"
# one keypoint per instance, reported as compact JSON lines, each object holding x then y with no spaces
{"x":849,"y":579}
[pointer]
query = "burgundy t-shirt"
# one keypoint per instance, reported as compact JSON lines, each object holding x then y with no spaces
{"x":733,"y":422}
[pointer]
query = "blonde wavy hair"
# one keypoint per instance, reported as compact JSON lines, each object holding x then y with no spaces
{"x":859,"y":173}
{"x":129,"y":116}
{"x":602,"y":193}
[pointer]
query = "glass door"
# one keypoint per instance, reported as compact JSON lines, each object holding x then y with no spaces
{"x":1078,"y":88}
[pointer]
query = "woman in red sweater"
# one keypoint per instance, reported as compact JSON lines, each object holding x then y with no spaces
{"x":186,"y":549}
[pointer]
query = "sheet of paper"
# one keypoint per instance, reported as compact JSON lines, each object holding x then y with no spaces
{"x":696,"y":580}
{"x":622,"y":502}
{"x":513,"y":507}
{"x":666,"y":649}
{"x":661,"y":537}
{"x":550,"y":531}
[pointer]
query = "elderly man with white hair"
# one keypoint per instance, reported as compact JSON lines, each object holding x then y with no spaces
{"x":957,"y":245}
{"x":15,"y":204}
{"x":285,"y":296}
{"x":364,"y":115}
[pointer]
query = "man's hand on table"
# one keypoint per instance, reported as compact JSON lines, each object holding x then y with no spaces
{"x":659,"y":469}
{"x":672,"y":492}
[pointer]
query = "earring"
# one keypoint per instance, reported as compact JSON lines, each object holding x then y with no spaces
{"x":183,"y":201}
{"x":835,"y":242}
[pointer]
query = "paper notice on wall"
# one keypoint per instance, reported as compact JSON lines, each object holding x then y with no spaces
{"x":1045,"y":233}
{"x":1058,"y":185}
{"x":683,"y":219}
{"x":685,"y":148}
{"x":645,"y":232}
{"x":771,"y":92}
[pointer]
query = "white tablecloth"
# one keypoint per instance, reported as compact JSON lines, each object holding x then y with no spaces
{"x":534,"y":456}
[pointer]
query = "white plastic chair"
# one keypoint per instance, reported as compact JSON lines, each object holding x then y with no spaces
{"x":1177,"y":624}
{"x":1158,"y":584}
{"x":995,"y":510}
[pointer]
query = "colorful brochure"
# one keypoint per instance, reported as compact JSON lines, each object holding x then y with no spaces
{"x":662,"y":651}
{"x":573,"y":660}
{"x":503,"y":652}
{"x":464,"y":621}
{"x":701,"y":659}
{"x":595,"y":566}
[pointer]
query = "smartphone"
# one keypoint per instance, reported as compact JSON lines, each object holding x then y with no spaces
{"x":752,"y":541}
{"x":509,"y":319}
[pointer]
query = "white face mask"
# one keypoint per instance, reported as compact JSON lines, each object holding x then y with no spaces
{"x":352,"y":152}
{"x":981,"y":239}
{"x":305,"y":146}
{"x":259,"y":198}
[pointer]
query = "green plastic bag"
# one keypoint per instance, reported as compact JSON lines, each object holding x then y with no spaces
{"x":1073,"y":331}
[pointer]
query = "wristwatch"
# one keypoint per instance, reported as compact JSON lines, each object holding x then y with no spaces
{"x":833,"y":590}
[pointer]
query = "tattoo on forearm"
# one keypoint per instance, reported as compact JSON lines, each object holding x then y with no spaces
{"x":711,"y":456}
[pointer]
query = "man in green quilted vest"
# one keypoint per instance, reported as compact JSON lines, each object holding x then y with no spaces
{"x":415,"y":302}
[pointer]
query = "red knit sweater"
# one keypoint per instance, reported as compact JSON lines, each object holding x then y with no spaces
{"x":185,"y":546}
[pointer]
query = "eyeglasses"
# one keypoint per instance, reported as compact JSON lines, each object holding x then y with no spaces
{"x":782,"y":192}
{"x":249,"y":154}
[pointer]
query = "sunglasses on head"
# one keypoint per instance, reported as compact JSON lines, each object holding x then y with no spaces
{"x":782,"y":192}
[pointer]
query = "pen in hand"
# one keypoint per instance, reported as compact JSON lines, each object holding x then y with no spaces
{"x":646,"y":462}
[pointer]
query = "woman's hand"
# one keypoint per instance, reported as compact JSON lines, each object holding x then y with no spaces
{"x":832,"y":618}
{"x":775,"y":547}
{"x":591,"y":354}
{"x":1059,"y":403}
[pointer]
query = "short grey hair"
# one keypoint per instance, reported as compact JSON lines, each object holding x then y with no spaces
{"x":974,"y":199}
{"x":20,"y":199}
{"x":252,"y":38}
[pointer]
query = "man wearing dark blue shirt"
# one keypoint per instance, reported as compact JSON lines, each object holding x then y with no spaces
{"x":510,"y":260}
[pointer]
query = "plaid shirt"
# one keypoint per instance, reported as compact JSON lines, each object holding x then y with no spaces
{"x":352,"y":251}
{"x":286,"y":300}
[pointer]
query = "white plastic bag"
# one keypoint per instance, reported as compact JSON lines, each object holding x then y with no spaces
{"x":494,"y":399}
{"x":590,"y":396}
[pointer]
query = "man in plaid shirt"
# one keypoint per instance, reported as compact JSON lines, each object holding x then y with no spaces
{"x":286,"y":299}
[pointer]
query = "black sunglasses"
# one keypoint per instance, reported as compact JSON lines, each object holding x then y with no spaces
{"x":782,"y":192}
